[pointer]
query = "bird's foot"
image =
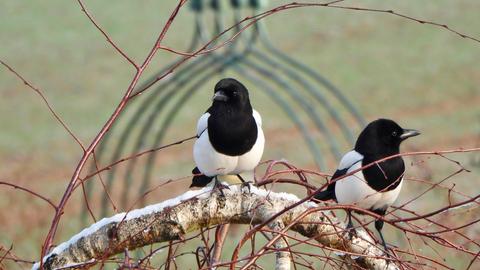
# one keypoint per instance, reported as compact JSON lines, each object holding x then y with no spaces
{"x":220,"y":187}
{"x":247,"y":185}
{"x":244,"y":183}
{"x":387,"y":251}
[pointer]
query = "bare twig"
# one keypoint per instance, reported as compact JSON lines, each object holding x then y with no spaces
{"x":45,"y":100}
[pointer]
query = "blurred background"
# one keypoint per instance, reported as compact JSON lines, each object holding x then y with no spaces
{"x":316,"y":75}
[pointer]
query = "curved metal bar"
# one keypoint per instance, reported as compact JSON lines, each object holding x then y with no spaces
{"x":292,"y":73}
{"x":298,"y":99}
{"x":311,"y":90}
{"x":347,"y":133}
{"x":320,"y":161}
{"x":283,"y":103}
{"x":304,"y":104}
{"x":133,"y":121}
{"x":265,"y":40}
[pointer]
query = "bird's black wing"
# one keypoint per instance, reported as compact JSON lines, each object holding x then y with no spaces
{"x":199,"y":180}
{"x":329,"y":193}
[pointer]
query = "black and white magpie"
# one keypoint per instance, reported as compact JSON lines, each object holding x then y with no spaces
{"x":377,"y":187}
{"x":230,"y":136}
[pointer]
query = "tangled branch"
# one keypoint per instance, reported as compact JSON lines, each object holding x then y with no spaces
{"x":141,"y":227}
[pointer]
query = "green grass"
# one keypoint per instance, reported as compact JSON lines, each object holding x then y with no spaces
{"x":421,"y":75}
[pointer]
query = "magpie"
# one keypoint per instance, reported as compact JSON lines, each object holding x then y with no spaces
{"x":377,"y":187}
{"x":230,"y":136}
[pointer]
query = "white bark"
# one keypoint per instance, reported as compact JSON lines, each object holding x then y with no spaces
{"x":171,"y":219}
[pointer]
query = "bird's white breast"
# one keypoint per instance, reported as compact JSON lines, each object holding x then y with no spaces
{"x":211,"y":163}
{"x":354,"y":189}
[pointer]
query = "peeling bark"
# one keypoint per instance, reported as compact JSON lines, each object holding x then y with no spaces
{"x":172,"y":219}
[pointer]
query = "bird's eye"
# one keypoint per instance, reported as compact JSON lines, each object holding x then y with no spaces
{"x":234,"y":93}
{"x":394,"y":134}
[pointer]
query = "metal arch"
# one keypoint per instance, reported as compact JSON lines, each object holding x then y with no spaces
{"x":287,"y":87}
{"x":224,"y":62}
{"x":169,"y":118}
{"x":188,"y":94}
{"x":216,"y":63}
{"x":265,"y":40}
{"x":292,"y":73}
{"x":306,"y":85}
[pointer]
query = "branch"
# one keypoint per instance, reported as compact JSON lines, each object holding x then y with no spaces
{"x":220,"y":236}
{"x":109,"y":39}
{"x":45,"y":100}
{"x":172,"y":219}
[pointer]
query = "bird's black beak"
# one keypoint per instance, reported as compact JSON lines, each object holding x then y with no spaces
{"x":220,"y":96}
{"x":407,"y":133}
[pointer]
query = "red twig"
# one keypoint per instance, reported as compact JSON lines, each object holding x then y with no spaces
{"x":109,"y":39}
{"x":45,"y":100}
{"x":111,"y":165}
{"x":31,"y":192}
{"x":253,"y":19}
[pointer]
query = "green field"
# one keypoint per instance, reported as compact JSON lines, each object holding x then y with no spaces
{"x":423,"y":76}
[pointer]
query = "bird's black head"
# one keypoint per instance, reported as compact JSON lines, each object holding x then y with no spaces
{"x":233,"y":93}
{"x":382,"y":137}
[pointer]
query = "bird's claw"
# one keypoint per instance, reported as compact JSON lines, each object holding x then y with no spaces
{"x":387,"y":251}
{"x":246,"y":184}
{"x":220,"y":187}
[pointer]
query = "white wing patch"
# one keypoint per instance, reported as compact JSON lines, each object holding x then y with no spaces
{"x":258,"y":118}
{"x":202,"y":123}
{"x":349,"y":159}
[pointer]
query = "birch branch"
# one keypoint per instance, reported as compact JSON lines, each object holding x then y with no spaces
{"x":172,"y":219}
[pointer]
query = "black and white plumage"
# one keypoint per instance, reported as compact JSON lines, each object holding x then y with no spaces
{"x":230,"y":136}
{"x":377,"y":187}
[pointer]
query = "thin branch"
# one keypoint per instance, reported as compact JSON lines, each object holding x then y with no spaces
{"x":109,"y":39}
{"x":50,"y":108}
{"x":253,"y":19}
{"x":220,"y":236}
{"x":139,"y":154}
{"x":31,"y":192}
